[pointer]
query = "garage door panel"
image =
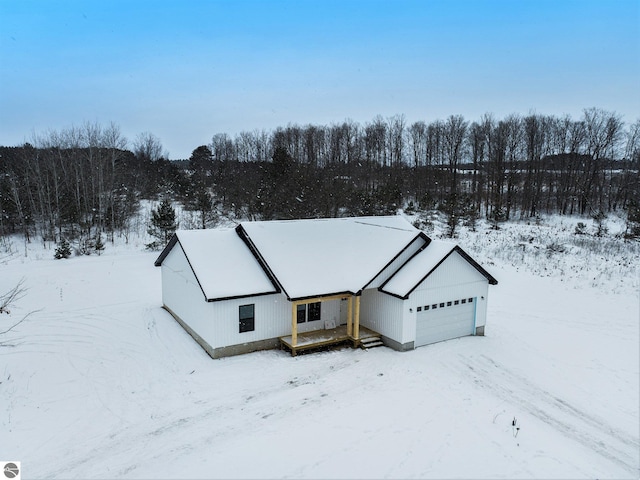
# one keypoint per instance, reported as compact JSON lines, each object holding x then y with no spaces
{"x":444,"y":323}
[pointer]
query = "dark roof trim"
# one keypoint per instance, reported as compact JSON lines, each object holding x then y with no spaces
{"x":242,"y":233}
{"x":169,"y":247}
{"x":456,"y":248}
{"x":346,"y":294}
{"x":166,"y":250}
{"x":210,"y":300}
{"x":392,"y":294}
{"x":477,"y":266}
{"x":192,"y":270}
{"x":419,"y":235}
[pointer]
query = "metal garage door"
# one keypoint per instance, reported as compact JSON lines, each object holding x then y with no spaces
{"x":445,"y":320}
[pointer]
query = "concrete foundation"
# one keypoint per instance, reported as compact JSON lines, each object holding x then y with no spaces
{"x":227,"y":351}
{"x":248,"y":347}
{"x":480,"y":331}
{"x":400,"y":347}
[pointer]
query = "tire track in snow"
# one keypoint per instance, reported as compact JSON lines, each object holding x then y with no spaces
{"x":166,"y":433}
{"x":588,"y":430}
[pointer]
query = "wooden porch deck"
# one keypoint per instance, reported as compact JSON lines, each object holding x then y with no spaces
{"x":325,"y":338}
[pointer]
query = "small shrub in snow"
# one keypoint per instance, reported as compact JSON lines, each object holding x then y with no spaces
{"x":63,"y":250}
{"x":555,"y":247}
{"x":424,"y":222}
{"x":581,"y":229}
{"x":601,"y":228}
{"x":85,"y":246}
{"x":411,"y":208}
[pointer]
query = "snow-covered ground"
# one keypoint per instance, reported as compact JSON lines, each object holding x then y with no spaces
{"x":100,"y":382}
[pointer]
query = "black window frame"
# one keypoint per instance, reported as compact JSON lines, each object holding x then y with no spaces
{"x":314,"y":311}
{"x":301,"y":313}
{"x":246,"y":323}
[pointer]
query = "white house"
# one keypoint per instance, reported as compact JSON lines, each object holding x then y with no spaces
{"x":305,"y":283}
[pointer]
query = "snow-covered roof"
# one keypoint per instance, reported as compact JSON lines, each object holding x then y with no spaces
{"x":309,"y":258}
{"x":421,"y":265}
{"x":223,"y":265}
{"x":329,"y":256}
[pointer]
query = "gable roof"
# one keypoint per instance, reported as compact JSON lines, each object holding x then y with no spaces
{"x":310,"y":258}
{"x":223,"y":266}
{"x":423,"y":264}
{"x":319,"y":257}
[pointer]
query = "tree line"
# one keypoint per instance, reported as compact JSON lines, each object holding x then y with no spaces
{"x":87,"y":181}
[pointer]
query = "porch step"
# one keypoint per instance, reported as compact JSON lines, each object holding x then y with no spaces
{"x":371,"y":342}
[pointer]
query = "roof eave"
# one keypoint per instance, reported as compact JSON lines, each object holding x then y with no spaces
{"x":420,"y":234}
{"x":456,"y":248}
{"x":237,"y":297}
{"x":166,"y":250}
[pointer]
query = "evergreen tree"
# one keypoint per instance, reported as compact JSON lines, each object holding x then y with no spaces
{"x":496,"y":217}
{"x":98,"y":244}
{"x":633,"y":220}
{"x":63,"y":250}
{"x":163,"y":225}
{"x":201,"y":201}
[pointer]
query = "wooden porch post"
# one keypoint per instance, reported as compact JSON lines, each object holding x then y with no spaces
{"x":350,"y":316}
{"x":294,"y":324}
{"x":356,"y":320}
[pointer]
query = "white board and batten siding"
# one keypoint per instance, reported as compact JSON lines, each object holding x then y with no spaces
{"x":384,"y":313}
{"x":380,"y":312}
{"x":182,"y":294}
{"x":459,"y":292}
{"x":272,"y":319}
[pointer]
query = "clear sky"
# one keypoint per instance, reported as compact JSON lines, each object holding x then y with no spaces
{"x":187,"y":69}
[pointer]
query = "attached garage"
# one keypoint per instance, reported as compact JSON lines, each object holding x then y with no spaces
{"x":445,"y":293}
{"x":445,"y":320}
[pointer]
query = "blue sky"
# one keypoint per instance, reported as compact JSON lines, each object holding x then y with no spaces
{"x":185,"y":70}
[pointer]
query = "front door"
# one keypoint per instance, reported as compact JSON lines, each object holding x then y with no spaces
{"x":344,"y":311}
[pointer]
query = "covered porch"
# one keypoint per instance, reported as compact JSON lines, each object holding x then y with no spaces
{"x":331,"y":334}
{"x":325,"y":338}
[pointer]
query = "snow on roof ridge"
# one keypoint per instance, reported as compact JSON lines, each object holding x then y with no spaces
{"x":386,"y":226}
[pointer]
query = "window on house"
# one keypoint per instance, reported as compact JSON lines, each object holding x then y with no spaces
{"x":301,"y":313}
{"x":308,"y":312}
{"x":464,"y":300}
{"x":442,"y":305}
{"x":434,"y":306}
{"x":456,"y":302}
{"x":448,"y":304}
{"x":419,"y":309}
{"x":471,"y":300}
{"x":426,"y":307}
{"x":314,"y":311}
{"x":247,"y":318}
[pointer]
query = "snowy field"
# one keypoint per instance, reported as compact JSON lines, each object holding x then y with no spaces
{"x":100,"y":382}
